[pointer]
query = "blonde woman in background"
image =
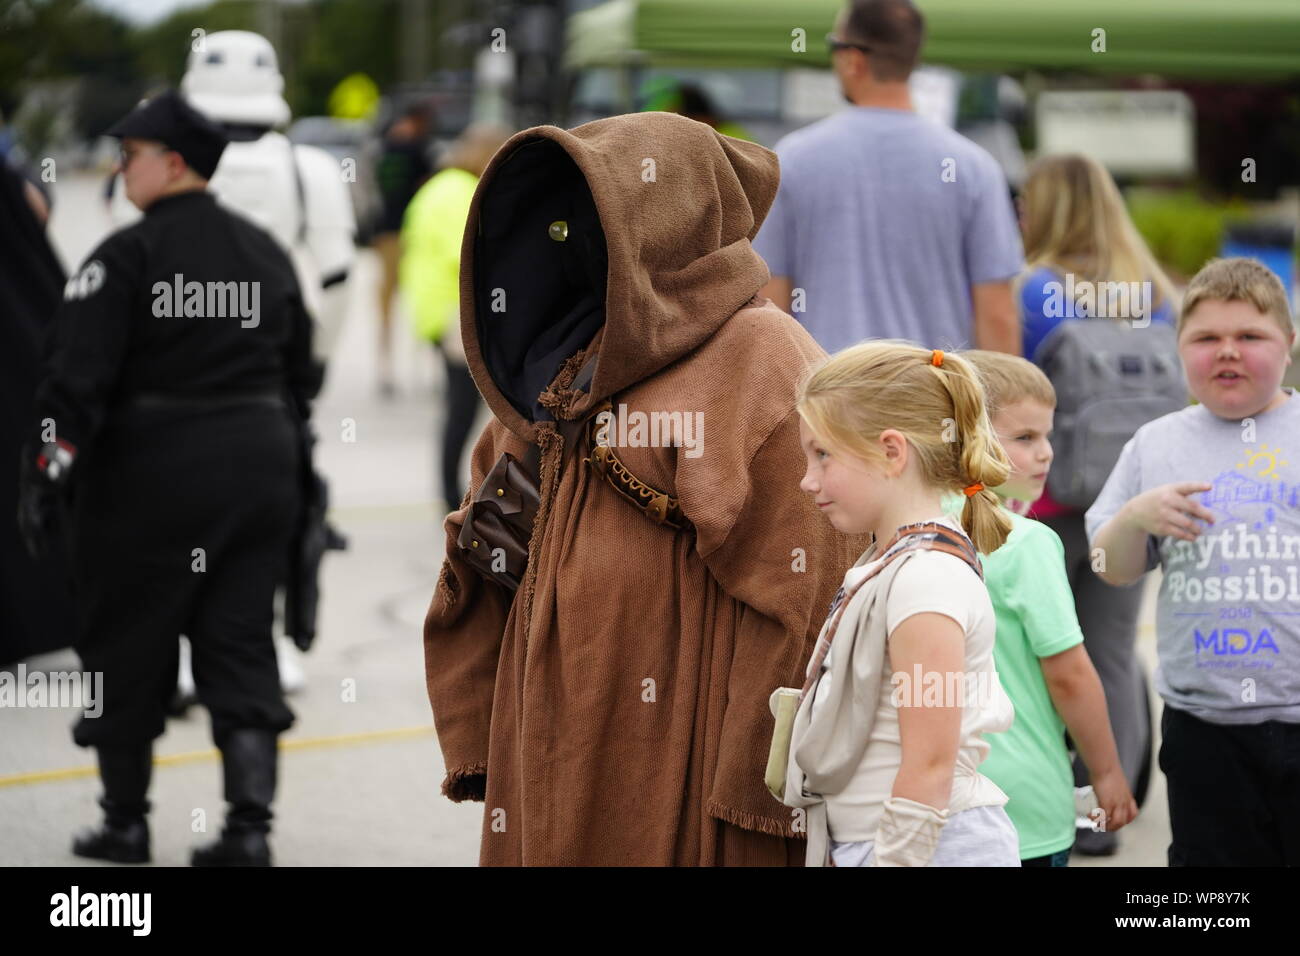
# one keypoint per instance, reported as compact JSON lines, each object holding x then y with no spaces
{"x":429,"y":277}
{"x":1076,"y":231}
{"x":1074,"y":222}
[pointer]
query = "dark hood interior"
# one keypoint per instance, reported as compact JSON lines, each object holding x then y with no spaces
{"x":679,"y":203}
{"x":549,"y":295}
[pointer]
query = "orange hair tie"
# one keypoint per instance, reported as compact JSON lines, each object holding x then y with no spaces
{"x":936,"y":358}
{"x":973,"y":489}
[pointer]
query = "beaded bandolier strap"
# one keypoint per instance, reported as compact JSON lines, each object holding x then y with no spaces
{"x":659,"y":506}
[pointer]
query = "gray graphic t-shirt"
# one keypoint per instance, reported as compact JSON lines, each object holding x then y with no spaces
{"x":1228,"y":619}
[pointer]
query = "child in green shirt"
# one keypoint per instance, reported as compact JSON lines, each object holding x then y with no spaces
{"x":1039,"y":650}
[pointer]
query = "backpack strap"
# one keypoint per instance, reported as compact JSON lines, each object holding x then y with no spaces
{"x":299,"y":191}
{"x":925,"y":536}
{"x":932,"y":536}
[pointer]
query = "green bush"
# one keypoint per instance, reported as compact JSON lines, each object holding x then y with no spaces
{"x":1182,"y":229}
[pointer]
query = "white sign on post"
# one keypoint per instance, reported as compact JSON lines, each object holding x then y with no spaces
{"x":1130,"y":132}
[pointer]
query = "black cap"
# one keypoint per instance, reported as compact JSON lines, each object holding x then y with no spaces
{"x":173,"y":122}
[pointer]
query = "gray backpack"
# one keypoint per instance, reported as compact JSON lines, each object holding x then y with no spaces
{"x":1110,"y":380}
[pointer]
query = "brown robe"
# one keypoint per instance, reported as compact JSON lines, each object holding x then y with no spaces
{"x":614,"y":711}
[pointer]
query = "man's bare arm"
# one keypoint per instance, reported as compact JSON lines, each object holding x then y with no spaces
{"x":997,"y":324}
{"x":780,"y":290}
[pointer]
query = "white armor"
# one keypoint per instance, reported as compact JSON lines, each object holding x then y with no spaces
{"x":296,"y":193}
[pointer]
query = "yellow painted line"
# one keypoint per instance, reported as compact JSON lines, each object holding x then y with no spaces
{"x":342,"y":740}
{"x":200,"y":756}
{"x":47,"y":776}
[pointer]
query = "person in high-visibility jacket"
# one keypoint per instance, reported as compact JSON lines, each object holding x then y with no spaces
{"x":429,"y":278}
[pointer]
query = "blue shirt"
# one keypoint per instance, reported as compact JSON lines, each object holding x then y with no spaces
{"x":1034,"y":295}
{"x":885,"y":220}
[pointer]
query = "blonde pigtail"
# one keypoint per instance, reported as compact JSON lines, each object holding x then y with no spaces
{"x":982,"y":461}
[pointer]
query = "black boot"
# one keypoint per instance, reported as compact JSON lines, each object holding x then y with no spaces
{"x":248,"y":757}
{"x":124,"y":835}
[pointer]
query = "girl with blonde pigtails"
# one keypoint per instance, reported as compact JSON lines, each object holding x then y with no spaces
{"x":886,"y":738}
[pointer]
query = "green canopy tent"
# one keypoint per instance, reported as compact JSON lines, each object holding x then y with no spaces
{"x":1235,"y":40}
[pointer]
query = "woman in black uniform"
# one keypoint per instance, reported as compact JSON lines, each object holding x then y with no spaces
{"x":177,"y":382}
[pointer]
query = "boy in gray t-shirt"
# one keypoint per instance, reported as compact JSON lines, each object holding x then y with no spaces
{"x":1212,"y":495}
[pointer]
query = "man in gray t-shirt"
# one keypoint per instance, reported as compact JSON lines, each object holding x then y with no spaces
{"x":886,"y":224}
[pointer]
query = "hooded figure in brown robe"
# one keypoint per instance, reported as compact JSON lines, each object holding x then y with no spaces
{"x":615,"y":709}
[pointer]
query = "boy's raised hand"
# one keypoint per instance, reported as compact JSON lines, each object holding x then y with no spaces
{"x":1114,"y":800}
{"x":1170,"y":510}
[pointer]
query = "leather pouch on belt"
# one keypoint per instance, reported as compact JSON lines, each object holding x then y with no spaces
{"x":499,"y":527}
{"x":495,"y":536}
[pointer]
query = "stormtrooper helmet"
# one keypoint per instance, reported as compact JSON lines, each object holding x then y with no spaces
{"x":234,"y":77}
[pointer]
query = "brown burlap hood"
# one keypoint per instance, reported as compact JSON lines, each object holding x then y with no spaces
{"x":614,"y":710}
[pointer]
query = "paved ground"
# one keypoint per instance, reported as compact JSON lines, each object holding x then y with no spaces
{"x":359,"y":778}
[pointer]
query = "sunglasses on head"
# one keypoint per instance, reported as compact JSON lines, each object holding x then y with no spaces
{"x":834,"y":43}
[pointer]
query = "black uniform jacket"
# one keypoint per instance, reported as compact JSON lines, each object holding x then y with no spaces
{"x":191,"y":302}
